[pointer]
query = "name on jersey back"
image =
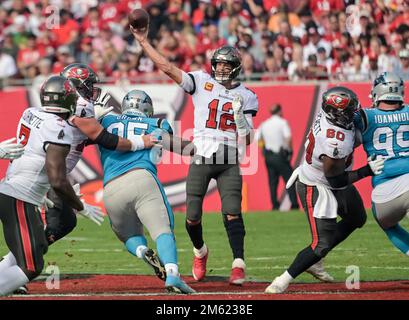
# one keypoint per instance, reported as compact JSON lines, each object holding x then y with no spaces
{"x":32,"y":119}
{"x":397,"y":117}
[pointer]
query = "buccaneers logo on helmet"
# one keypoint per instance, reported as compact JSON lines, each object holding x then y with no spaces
{"x":339,"y":105}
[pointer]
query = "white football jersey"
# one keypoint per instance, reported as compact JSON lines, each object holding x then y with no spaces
{"x":325,"y":139}
{"x":213,"y":115}
{"x":26,"y":178}
{"x":84,"y":109}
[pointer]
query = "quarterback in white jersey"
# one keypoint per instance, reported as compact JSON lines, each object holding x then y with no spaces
{"x":47,"y":138}
{"x":213,"y":116}
{"x":325,"y":187}
{"x":223,"y":117}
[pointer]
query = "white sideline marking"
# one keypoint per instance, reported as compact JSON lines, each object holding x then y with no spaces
{"x":329,"y":266}
{"x":156,"y":294}
{"x":147,"y":294}
{"x":207,"y":293}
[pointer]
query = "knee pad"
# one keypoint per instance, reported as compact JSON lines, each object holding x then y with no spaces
{"x":194,"y":207}
{"x":321,"y":251}
{"x":323,"y":247}
{"x":231,"y":203}
{"x":60,"y":222}
{"x":232,"y":206}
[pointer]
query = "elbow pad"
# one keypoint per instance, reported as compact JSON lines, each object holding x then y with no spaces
{"x":107,"y":140}
{"x":339,"y":181}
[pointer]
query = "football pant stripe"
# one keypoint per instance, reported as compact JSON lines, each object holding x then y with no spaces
{"x":310,"y":209}
{"x":25,"y":236}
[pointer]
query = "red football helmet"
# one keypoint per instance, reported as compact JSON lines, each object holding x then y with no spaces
{"x":339,"y":105}
{"x":84,"y":78}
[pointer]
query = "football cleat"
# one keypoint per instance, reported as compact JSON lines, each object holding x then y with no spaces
{"x":237,"y":276}
{"x":199,"y":267}
{"x":177,"y":285}
{"x":21,"y":290}
{"x":276,"y":287}
{"x":317,"y":271}
{"x":152,"y":259}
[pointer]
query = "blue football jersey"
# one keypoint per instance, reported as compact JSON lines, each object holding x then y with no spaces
{"x":386,"y":133}
{"x":115,"y":162}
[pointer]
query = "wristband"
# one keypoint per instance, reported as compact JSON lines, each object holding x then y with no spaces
{"x":137,"y":143}
{"x":365,"y":172}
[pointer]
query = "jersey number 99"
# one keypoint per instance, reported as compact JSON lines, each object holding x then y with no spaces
{"x":383,"y":140}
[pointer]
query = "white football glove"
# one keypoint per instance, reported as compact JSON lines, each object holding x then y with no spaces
{"x":99,"y":106}
{"x":46,"y":204}
{"x":237,"y":104}
{"x":76,"y":187}
{"x":376,"y":164}
{"x":94,"y":213}
{"x":239,"y":118}
{"x":11,"y":150}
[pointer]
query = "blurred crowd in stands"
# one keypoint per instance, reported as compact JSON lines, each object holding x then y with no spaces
{"x":279,"y":40}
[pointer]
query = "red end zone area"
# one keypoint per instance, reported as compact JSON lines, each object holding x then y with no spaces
{"x":133,"y":287}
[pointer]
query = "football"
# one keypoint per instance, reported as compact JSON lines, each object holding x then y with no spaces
{"x":138,"y":19}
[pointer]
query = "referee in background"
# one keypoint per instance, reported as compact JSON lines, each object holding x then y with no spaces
{"x":274,"y":136}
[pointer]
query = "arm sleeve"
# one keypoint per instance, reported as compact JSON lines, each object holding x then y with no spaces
{"x":360,"y":120}
{"x":189,"y":82}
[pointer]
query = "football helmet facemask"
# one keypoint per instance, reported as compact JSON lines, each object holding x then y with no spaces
{"x":387,"y":87}
{"x":230,"y":55}
{"x":137,"y":102}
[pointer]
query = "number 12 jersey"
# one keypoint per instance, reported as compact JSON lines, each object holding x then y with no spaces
{"x":213,"y":115}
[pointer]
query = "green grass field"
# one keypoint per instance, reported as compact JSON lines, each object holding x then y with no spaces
{"x":272,"y":241}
